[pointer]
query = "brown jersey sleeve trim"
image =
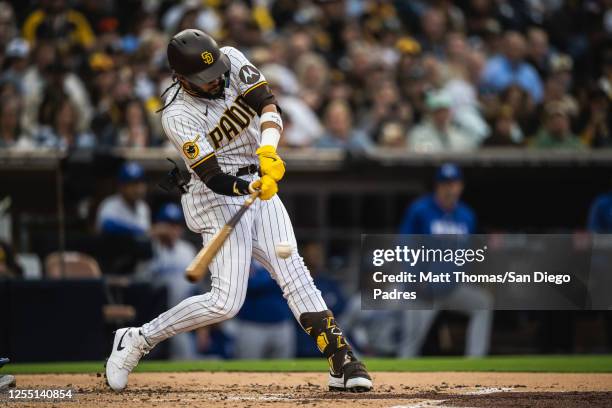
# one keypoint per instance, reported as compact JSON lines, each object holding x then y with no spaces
{"x":196,"y":164}
{"x":257,"y":85}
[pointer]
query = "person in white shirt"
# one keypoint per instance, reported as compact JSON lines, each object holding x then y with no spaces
{"x":123,"y":223}
{"x":437,"y":133}
{"x":126,"y":213}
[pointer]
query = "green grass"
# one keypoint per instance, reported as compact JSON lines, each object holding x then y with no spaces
{"x":557,"y":364}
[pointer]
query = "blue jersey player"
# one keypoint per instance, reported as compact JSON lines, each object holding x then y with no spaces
{"x":441,"y":212}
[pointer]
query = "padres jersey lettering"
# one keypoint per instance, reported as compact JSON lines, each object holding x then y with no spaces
{"x":234,"y":120}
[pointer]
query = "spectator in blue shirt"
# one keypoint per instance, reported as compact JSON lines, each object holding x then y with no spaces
{"x":441,"y":212}
{"x":511,"y":67}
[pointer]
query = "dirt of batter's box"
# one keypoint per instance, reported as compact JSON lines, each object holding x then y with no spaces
{"x":530,"y":399}
{"x":234,"y":390}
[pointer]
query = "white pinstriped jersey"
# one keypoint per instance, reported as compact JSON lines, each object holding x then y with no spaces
{"x":227,"y":127}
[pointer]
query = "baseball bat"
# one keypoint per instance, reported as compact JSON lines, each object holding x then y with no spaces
{"x":199,"y":265}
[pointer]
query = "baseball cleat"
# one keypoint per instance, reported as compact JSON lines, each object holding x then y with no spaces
{"x":6,"y":382}
{"x":354,"y":378}
{"x":129,"y":347}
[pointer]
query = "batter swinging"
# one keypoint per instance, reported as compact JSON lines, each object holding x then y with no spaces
{"x":224,"y":121}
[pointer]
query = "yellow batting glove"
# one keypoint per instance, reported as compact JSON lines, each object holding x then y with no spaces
{"x":267,"y":187}
{"x":270,"y":162}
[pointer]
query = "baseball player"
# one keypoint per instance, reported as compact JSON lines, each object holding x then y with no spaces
{"x":222,"y":118}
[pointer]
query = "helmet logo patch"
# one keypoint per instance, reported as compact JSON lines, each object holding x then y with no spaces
{"x":207,"y":57}
{"x":191,"y":150}
{"x":249,"y":74}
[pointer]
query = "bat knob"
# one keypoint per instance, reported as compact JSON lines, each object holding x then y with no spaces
{"x":191,"y":279}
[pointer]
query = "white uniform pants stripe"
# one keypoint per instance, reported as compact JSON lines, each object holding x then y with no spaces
{"x":260,"y":229}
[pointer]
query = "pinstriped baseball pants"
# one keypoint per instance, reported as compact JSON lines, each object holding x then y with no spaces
{"x":264,"y":225}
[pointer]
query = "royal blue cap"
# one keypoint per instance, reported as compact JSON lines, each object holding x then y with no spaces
{"x":170,"y":212}
{"x":131,"y":172}
{"x":449,"y":172}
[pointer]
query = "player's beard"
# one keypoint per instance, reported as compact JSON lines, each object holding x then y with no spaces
{"x":196,"y":91}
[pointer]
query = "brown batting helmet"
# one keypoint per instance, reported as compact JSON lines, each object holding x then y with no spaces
{"x":196,"y":56}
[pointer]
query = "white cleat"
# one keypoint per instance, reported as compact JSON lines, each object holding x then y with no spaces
{"x":354,"y":378}
{"x":6,"y":382}
{"x":129,"y":347}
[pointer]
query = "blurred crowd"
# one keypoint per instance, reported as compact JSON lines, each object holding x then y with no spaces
{"x":423,"y":76}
